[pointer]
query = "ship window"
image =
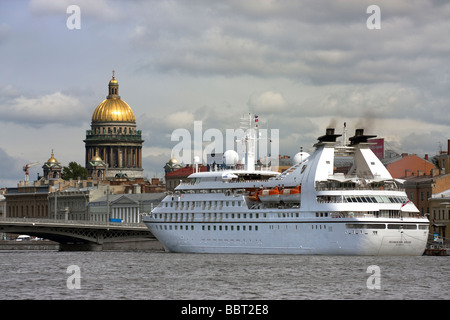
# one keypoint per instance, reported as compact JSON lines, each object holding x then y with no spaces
{"x":192,"y":227}
{"x":404,"y":226}
{"x":365,"y":226}
{"x":250,"y":228}
{"x":256,"y":228}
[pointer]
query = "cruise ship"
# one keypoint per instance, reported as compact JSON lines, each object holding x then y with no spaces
{"x":311,"y":208}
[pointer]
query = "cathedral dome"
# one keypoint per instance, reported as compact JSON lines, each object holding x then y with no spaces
{"x":113,"y":109}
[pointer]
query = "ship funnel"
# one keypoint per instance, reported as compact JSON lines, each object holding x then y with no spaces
{"x":329,"y":136}
{"x":360,"y":137}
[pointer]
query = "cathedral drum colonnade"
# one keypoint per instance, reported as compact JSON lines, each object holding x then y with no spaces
{"x":113,"y":145}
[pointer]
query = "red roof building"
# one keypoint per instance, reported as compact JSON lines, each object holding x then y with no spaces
{"x":410,"y":166}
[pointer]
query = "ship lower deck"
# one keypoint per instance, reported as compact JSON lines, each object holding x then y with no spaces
{"x":329,"y":236}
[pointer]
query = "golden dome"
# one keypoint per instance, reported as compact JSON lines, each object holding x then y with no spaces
{"x":113,"y":108}
{"x":52,"y":159}
{"x":96,"y":158}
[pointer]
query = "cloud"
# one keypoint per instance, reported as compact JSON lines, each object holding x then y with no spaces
{"x":10,"y":168}
{"x":179,"y":119}
{"x":300,"y":40}
{"x":267,"y":102}
{"x":5,"y":32}
{"x":38,"y":111}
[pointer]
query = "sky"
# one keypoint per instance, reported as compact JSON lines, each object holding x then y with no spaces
{"x":301,"y":66}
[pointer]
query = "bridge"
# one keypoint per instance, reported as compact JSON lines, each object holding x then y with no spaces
{"x":78,"y":235}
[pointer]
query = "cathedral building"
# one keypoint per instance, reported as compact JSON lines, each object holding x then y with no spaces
{"x":113,"y":142}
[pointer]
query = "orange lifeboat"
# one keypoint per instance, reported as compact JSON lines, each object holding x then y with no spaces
{"x":269,"y":195}
{"x":291,"y":194}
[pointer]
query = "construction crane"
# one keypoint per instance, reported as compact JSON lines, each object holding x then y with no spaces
{"x":25,"y":169}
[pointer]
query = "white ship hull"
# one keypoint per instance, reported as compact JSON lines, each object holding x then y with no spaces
{"x":320,"y":237}
{"x":363,"y":211}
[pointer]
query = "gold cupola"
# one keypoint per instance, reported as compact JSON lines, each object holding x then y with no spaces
{"x":113,"y":109}
{"x":52,"y":159}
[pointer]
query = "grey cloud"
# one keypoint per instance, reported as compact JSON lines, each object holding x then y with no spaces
{"x":37,"y":111}
{"x":303,"y":41}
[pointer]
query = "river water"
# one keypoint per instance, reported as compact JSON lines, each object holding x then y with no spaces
{"x":159,"y":275}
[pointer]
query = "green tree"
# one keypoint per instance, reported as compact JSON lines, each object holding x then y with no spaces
{"x":74,"y":171}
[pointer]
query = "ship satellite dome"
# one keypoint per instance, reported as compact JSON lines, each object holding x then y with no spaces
{"x":230,"y":157}
{"x":301,"y":156}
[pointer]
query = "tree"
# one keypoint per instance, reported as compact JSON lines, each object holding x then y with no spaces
{"x":74,"y":171}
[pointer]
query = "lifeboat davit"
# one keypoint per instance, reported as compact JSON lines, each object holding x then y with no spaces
{"x":290,"y":194}
{"x":269,"y":195}
{"x":253,"y":196}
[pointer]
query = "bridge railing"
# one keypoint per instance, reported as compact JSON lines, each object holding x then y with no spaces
{"x":70,"y":222}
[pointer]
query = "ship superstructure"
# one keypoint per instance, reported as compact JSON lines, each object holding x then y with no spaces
{"x":311,"y":208}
